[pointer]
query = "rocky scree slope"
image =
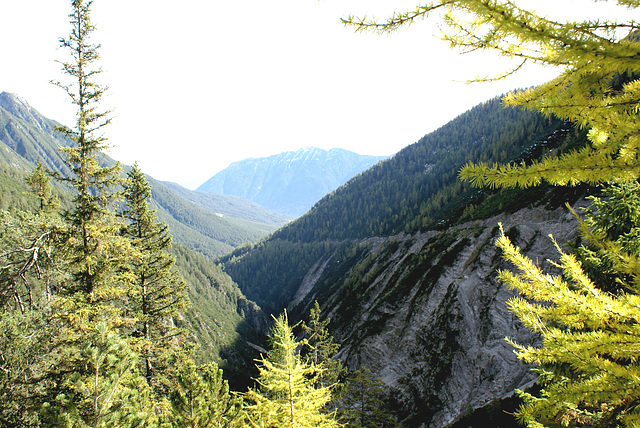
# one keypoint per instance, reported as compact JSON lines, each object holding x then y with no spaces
{"x":402,"y":260}
{"x":427,"y":315}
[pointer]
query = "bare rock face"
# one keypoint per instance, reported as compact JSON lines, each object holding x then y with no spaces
{"x":427,"y":315}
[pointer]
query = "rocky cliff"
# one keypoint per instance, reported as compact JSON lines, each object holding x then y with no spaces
{"x":427,"y":315}
{"x":402,"y":260}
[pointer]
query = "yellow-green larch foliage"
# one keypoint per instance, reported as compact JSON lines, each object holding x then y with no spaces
{"x":590,"y":328}
{"x":286,"y":396}
{"x":320,"y":348}
{"x":40,"y":184}
{"x":200,"y":397}
{"x":598,"y":89}
{"x":591,"y":344}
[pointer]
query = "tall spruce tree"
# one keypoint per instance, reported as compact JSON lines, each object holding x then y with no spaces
{"x":95,"y":249}
{"x":287,"y":396}
{"x":159,"y":293}
{"x":589,"y":354}
{"x":362,"y":402}
{"x":94,"y":367}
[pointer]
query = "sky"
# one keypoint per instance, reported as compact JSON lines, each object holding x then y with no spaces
{"x":195,"y":85}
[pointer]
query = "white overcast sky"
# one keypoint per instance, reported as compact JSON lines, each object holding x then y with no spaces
{"x":198,"y":84}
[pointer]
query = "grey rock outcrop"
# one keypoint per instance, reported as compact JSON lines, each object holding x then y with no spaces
{"x":431,"y":317}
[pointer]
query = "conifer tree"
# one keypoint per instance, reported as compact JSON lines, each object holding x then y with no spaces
{"x":201,"y":397}
{"x":94,"y":367}
{"x":28,"y":259}
{"x":591,"y":344}
{"x":41,"y":187}
{"x":101,"y":387}
{"x":159,"y":294}
{"x":29,"y":266}
{"x":611,"y":230}
{"x":27,"y":241}
{"x":361,"y":402}
{"x":95,"y":249}
{"x":287,"y":396}
{"x":25,"y":342}
{"x":320,"y":347}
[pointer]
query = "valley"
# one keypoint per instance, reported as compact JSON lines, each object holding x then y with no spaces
{"x":401,"y":259}
{"x":488,"y":274}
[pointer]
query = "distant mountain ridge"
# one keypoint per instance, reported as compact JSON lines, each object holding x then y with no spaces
{"x":211,"y":225}
{"x":231,"y":206}
{"x":290,"y":182}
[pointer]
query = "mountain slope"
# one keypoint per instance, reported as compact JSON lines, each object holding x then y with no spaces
{"x":290,"y":182}
{"x":416,"y":190}
{"x":425,"y":313}
{"x":221,"y":319}
{"x":232,"y":206}
{"x":25,"y":132}
{"x":402,"y":260}
{"x":201,"y":229}
{"x":26,"y":137}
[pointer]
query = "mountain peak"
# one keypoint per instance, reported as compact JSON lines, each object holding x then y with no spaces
{"x":20,"y":108}
{"x":7,"y":98}
{"x":290,"y":182}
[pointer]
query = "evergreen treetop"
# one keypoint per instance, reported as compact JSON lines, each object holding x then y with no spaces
{"x":287,"y":396}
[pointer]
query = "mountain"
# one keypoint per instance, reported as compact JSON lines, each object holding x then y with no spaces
{"x":401,"y":259}
{"x":221,"y":319}
{"x":291,"y":182}
{"x":27,"y":137}
{"x":231,"y":206}
{"x":212,"y":225}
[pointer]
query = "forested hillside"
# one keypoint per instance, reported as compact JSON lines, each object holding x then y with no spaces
{"x":417,"y":190}
{"x":212,"y":226}
{"x":221,"y":319}
{"x":220,"y":314}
